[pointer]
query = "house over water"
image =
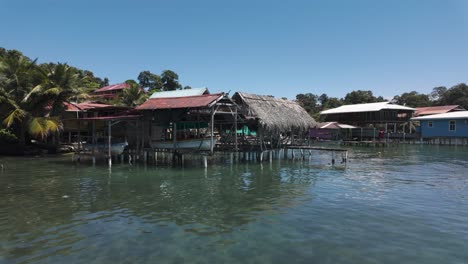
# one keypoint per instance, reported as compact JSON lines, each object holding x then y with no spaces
{"x":275,"y":120}
{"x":447,"y":128}
{"x":76,"y":123}
{"x":173,"y":118}
{"x":383,"y":114}
{"x":112,"y":91}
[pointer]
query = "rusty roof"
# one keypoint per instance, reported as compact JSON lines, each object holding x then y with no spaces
{"x":73,"y":107}
{"x":433,"y":110}
{"x":113,"y":87}
{"x":197,"y":101}
{"x":110,"y":118}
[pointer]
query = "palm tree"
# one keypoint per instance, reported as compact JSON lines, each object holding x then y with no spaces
{"x":59,"y":83}
{"x":32,"y":97}
{"x":134,"y":95}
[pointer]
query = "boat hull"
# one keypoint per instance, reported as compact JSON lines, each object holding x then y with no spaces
{"x":116,"y":148}
{"x":203,"y":144}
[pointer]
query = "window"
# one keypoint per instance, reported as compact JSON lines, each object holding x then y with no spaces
{"x":430,"y":124}
{"x":452,"y":125}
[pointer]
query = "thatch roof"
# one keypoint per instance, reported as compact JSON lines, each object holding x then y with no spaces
{"x":275,"y":115}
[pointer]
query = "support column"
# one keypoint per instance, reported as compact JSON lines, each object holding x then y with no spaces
{"x":109,"y":131}
{"x":236,"y":148}
{"x":212,"y":130}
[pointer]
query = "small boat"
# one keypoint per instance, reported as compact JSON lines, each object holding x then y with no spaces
{"x":187,"y":144}
{"x":116,"y":148}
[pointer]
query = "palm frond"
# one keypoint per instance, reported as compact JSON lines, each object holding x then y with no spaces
{"x":16,"y":114}
{"x":43,"y":126}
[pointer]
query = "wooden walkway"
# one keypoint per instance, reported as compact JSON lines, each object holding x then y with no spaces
{"x":317,"y":148}
{"x":367,"y":143}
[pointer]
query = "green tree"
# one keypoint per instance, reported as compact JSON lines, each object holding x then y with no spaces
{"x":134,"y":95}
{"x":361,"y":97}
{"x":170,"y":81}
{"x":104,"y":82}
{"x":23,"y":108}
{"x":412,"y":99}
{"x":151,"y":81}
{"x":308,"y":101}
{"x":456,"y":95}
{"x":437,"y":94}
{"x":329,"y":102}
{"x":332,"y":102}
{"x":60,"y":83}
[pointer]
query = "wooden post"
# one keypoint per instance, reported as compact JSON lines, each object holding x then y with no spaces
{"x":205,"y":161}
{"x":93,"y":140}
{"x":174,"y":135}
{"x":235,"y":132}
{"x":212,"y":129}
{"x":79,"y":136}
{"x":109,"y":131}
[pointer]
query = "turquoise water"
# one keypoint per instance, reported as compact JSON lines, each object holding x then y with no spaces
{"x":397,"y":205}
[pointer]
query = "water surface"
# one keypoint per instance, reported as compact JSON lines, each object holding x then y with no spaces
{"x":407,"y":204}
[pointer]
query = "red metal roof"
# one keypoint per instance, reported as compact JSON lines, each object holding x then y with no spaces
{"x":110,"y":118}
{"x":72,"y":107}
{"x":180,"y":102}
{"x":113,"y":87}
{"x":432,"y":110}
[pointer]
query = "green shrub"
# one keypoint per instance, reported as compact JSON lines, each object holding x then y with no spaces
{"x":8,"y":137}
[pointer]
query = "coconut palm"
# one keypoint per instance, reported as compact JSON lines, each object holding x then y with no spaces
{"x":134,"y":95}
{"x":59,"y":83}
{"x":30,"y":97}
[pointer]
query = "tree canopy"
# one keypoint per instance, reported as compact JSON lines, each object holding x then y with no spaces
{"x":361,"y":97}
{"x":412,"y":99}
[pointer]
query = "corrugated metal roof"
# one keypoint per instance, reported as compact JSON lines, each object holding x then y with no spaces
{"x":346,"y":126}
{"x":111,"y":118}
{"x":113,"y":87}
{"x":180,"y":93}
{"x":432,"y":110}
{"x":334,"y":125}
{"x":451,"y":115}
{"x":180,"y":102}
{"x":370,"y":107}
{"x":72,"y":107}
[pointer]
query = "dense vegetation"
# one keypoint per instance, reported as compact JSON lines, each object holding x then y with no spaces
{"x":32,"y":95}
{"x":456,"y":95}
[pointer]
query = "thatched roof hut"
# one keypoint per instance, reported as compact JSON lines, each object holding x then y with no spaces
{"x":274,"y":115}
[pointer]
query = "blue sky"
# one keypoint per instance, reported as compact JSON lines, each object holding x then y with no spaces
{"x":268,"y":47}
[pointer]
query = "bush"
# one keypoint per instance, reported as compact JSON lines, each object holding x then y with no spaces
{"x":8,"y":137}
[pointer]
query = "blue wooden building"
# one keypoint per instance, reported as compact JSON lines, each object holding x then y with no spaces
{"x":449,"y":128}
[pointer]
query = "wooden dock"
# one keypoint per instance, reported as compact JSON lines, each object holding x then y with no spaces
{"x":169,"y":157}
{"x":368,"y":143}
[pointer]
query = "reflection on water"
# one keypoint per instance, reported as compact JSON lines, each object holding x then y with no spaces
{"x":406,"y":204}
